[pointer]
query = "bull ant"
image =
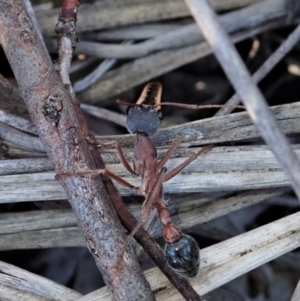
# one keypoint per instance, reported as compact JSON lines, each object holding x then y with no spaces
{"x":143,"y":120}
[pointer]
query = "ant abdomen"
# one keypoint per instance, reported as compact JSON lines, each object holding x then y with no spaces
{"x":183,"y":256}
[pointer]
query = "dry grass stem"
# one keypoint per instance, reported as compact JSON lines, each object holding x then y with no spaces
{"x":18,"y":284}
{"x":99,"y":17}
{"x":57,"y":228}
{"x":235,"y":127}
{"x":268,"y":65}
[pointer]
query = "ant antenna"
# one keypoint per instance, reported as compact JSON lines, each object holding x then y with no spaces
{"x":198,"y":107}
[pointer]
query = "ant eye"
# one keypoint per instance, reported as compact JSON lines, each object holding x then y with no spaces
{"x":129,"y":110}
{"x":160,"y":115}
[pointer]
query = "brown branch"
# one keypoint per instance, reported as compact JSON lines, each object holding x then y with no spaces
{"x":51,"y":110}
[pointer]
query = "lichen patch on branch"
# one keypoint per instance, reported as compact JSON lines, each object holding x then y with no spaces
{"x":52,"y":108}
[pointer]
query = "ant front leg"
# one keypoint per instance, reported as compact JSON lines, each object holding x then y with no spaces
{"x":117,"y":146}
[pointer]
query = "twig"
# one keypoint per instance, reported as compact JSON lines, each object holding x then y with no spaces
{"x":79,"y":65}
{"x":107,"y":15}
{"x":95,"y":75}
{"x":267,"y":66}
{"x":144,"y":69}
{"x":251,"y":96}
{"x":21,"y":139}
{"x":66,"y":29}
{"x":52,"y":112}
{"x":189,"y":34}
{"x":116,"y":118}
{"x":134,"y":32}
{"x":17,"y":122}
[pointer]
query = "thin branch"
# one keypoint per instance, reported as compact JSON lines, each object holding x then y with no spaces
{"x":133,"y":32}
{"x":17,"y":122}
{"x":80,"y":65}
{"x":94,"y":76}
{"x":251,"y":96}
{"x":146,"y":68}
{"x":16,"y":137}
{"x":107,"y":15}
{"x":267,"y":66}
{"x":233,"y":22}
{"x":116,"y":118}
{"x":52,"y":111}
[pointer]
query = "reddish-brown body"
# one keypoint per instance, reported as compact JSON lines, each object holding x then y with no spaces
{"x":145,"y":163}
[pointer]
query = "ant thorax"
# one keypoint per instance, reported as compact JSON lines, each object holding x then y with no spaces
{"x":144,"y":119}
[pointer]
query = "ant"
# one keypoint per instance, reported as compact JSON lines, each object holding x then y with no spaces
{"x":143,"y":119}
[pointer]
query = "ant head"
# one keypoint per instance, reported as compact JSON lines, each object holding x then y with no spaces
{"x":145,"y":115}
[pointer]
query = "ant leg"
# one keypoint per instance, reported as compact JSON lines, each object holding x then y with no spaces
{"x":105,"y":172}
{"x":154,"y":195}
{"x":166,"y":157}
{"x":119,"y":150}
{"x":124,"y":160}
{"x":193,"y":157}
